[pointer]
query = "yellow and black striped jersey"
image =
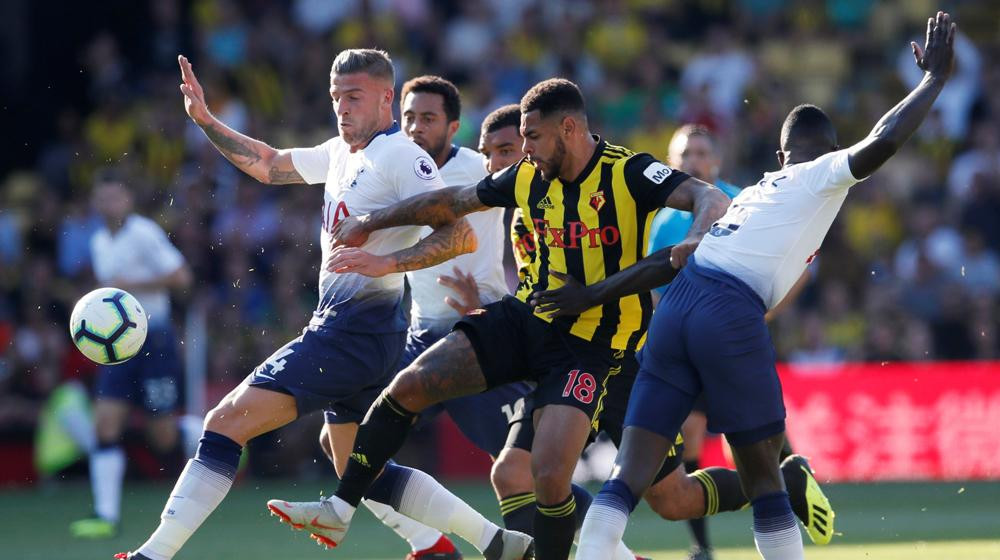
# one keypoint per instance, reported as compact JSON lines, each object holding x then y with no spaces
{"x":589,"y":228}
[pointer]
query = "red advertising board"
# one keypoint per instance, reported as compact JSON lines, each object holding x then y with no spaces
{"x":862,"y":422}
{"x":896,"y":421}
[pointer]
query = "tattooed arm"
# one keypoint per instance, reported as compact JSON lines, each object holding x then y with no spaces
{"x":253,"y":157}
{"x":437,"y":208}
{"x":445,"y":242}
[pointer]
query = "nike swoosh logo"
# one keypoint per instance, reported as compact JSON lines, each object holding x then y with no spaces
{"x":315,"y":523}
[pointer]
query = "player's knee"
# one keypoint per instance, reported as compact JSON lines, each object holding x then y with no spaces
{"x":408,"y":389}
{"x":552,"y":480}
{"x":664,"y":506}
{"x":223,"y":420}
{"x":164,"y":439}
{"x":511,"y":473}
{"x":676,"y":497}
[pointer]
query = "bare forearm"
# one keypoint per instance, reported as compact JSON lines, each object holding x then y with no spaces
{"x":444,"y":243}
{"x":435,"y":208}
{"x":647,"y":274}
{"x":895,"y":127}
{"x":710,"y":204}
{"x":250,"y":156}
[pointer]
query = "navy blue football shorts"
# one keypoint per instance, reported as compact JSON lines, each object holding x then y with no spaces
{"x":331,"y":369}
{"x":708,"y":336}
{"x":152,"y":379}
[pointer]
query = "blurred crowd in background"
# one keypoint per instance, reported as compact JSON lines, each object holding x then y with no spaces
{"x":910,"y":270}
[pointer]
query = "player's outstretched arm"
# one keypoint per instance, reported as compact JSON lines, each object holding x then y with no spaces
{"x":892,"y":130}
{"x":435,"y":208}
{"x":574,"y":298}
{"x":253,"y":157}
{"x":444,"y":243}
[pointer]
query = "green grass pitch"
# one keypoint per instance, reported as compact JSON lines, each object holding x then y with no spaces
{"x":887,"y":521}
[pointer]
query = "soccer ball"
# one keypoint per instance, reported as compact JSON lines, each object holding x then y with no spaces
{"x":108,"y":326}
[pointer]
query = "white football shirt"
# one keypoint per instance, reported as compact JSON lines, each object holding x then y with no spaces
{"x":465,"y":168}
{"x":388,"y":170}
{"x":138,"y":252}
{"x":773,"y":229}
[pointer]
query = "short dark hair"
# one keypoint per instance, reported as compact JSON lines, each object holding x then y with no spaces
{"x":435,"y":84}
{"x":808,"y":124}
{"x":374,"y":62}
{"x":508,"y":115}
{"x":695,"y":129}
{"x":555,"y":95}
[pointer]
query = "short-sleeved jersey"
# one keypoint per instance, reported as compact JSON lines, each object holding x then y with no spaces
{"x":589,"y":228}
{"x":464,"y":168}
{"x":773,"y":229}
{"x":389,"y":169}
{"x":138,"y":252}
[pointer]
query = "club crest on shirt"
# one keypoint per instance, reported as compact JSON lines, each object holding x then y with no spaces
{"x":424,"y":168}
{"x":597,"y":200}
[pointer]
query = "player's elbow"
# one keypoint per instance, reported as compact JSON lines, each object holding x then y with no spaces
{"x":716,"y":202}
{"x":467,"y":240}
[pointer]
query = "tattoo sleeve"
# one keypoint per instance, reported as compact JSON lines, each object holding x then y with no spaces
{"x":240,"y":151}
{"x":436,"y":208}
{"x":444,"y":243}
{"x":253,"y":157}
{"x":278,"y":176}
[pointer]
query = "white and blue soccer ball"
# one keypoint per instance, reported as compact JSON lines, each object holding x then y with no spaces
{"x":108,"y":326}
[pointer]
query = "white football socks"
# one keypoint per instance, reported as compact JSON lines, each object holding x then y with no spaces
{"x":780,"y":544}
{"x":198,"y":491}
{"x":427,"y":501}
{"x":419,"y":536}
{"x":601,"y":534}
{"x":107,"y":470}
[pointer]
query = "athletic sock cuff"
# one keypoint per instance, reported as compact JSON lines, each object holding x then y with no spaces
{"x":709,"y":490}
{"x":219,"y":453}
{"x":772,"y":512}
{"x":396,"y":407}
{"x":564,"y":508}
{"x":516,"y":502}
{"x":616,"y":493}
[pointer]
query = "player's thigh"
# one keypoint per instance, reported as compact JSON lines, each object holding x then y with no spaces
{"x":561,"y":432}
{"x":730,"y":347}
{"x":676,"y":496}
{"x":447,"y":370}
{"x":110,"y":416}
{"x":693,"y":429}
{"x":163,"y":432}
{"x":340,"y":438}
{"x":511,"y":473}
{"x":247,"y":412}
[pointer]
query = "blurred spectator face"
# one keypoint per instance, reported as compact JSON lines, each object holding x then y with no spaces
{"x":501,"y":148}
{"x":112,"y":201}
{"x":695,"y":155}
{"x":543,"y":141}
{"x":360,"y":101}
{"x":425,"y":122}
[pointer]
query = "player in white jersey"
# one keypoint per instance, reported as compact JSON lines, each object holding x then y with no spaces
{"x":133,"y":253}
{"x":430,"y":107}
{"x":708,"y":333}
{"x":351,"y":347}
